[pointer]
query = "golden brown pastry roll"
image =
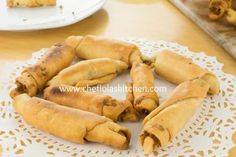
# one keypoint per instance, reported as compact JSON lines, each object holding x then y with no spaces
{"x":231,"y":16}
{"x":177,"y":69}
{"x":34,"y":77}
{"x":218,"y":8}
{"x":93,"y":82}
{"x":30,"y":3}
{"x":90,"y":47}
{"x":142,"y":94}
{"x":71,"y":124}
{"x":92,"y":102}
{"x":89,"y":72}
{"x":162,"y":124}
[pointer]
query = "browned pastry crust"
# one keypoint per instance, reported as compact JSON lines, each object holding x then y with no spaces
{"x":89,"y":72}
{"x":90,"y":47}
{"x":30,"y":3}
{"x":177,"y":69}
{"x":71,"y":124}
{"x":162,"y":124}
{"x":92,"y":102}
{"x":222,"y":8}
{"x":34,"y":77}
{"x":142,"y":93}
{"x":218,"y":8}
{"x":231,"y":16}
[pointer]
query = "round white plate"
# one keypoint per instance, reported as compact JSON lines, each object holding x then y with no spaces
{"x":66,"y":12}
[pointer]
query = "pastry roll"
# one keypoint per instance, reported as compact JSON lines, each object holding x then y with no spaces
{"x":71,"y":124}
{"x":89,"y":72}
{"x":92,"y":102}
{"x":142,"y":93}
{"x":162,"y":124}
{"x":90,"y":47}
{"x":218,"y":8}
{"x":177,"y":69}
{"x":30,"y":3}
{"x":231,"y":16}
{"x":34,"y":77}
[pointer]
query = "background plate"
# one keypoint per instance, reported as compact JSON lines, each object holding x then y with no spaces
{"x":66,"y":12}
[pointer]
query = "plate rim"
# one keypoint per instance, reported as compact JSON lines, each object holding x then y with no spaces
{"x":88,"y":12}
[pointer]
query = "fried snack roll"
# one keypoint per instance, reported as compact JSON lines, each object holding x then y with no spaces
{"x":218,"y":8}
{"x":71,"y":124}
{"x":177,"y":69}
{"x":30,"y":3}
{"x":162,"y":124}
{"x":92,"y":102}
{"x":89,"y":72}
{"x":231,"y":16}
{"x":34,"y":77}
{"x":90,"y":47}
{"x":142,"y":94}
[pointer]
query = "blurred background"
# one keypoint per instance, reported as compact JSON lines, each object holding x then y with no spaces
{"x":182,"y":21}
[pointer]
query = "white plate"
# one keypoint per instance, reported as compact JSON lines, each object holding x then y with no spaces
{"x":66,"y":12}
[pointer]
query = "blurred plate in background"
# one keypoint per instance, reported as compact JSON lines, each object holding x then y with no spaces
{"x":66,"y":12}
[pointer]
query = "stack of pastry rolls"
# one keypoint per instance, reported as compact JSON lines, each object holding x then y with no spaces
{"x":70,"y":112}
{"x":78,"y":116}
{"x":194,"y":82}
{"x":119,"y":56}
{"x":162,"y":124}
